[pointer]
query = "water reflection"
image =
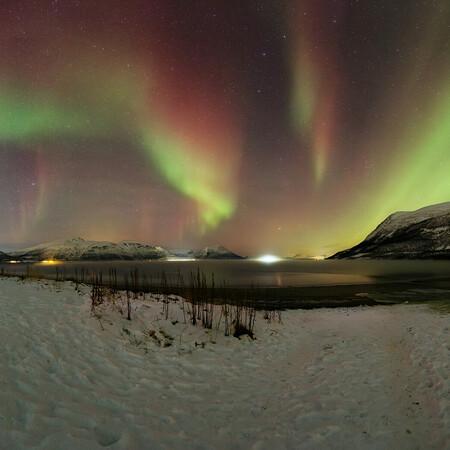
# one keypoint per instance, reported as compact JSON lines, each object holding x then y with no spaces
{"x":242,"y":273}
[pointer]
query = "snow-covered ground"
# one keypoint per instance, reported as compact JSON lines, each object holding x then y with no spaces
{"x":369,"y":377}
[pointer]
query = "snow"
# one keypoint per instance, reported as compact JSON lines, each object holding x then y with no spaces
{"x":76,"y":249}
{"x":369,"y":377}
{"x":217,"y":252}
{"x":436,"y":231}
{"x":404,"y":219}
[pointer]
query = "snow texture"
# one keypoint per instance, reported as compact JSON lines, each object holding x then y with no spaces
{"x":344,"y":378}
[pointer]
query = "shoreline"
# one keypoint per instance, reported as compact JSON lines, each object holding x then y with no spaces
{"x":305,"y":297}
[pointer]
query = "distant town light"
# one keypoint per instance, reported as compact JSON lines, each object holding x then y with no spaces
{"x":49,"y":261}
{"x":171,"y":258}
{"x":268,"y":259}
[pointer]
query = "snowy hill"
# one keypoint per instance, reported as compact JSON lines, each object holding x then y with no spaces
{"x":77,"y":249}
{"x":217,"y":252}
{"x":420,"y":234}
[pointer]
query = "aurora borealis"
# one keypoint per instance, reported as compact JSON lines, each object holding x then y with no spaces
{"x":265,"y":126}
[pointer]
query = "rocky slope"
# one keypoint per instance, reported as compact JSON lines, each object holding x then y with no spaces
{"x":420,"y":234}
{"x":217,"y":252}
{"x":4,"y":257}
{"x":78,"y":249}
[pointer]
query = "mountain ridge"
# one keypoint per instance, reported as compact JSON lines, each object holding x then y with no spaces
{"x":78,"y":249}
{"x":5,"y":256}
{"x":217,"y":252}
{"x":420,"y":234}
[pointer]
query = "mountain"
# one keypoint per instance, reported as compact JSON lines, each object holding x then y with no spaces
{"x":296,"y":256}
{"x":217,"y":252}
{"x":4,"y":257}
{"x":181,"y":252}
{"x":303,"y":257}
{"x":420,"y":234}
{"x":77,"y":249}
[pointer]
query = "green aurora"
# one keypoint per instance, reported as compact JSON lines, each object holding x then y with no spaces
{"x":298,"y":143}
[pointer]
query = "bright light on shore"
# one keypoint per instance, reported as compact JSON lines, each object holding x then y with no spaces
{"x":268,"y":259}
{"x":179,"y":259}
{"x":49,"y":261}
{"x":13,"y":261}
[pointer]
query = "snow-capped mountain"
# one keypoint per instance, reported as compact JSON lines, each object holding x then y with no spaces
{"x":420,"y":234}
{"x":77,"y":249}
{"x":181,"y":252}
{"x":144,"y":251}
{"x":217,"y":252}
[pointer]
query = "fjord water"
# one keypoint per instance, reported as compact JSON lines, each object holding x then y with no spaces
{"x":289,"y":284}
{"x":243,"y":273}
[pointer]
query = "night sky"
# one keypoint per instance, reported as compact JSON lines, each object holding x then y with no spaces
{"x":265,"y":126}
